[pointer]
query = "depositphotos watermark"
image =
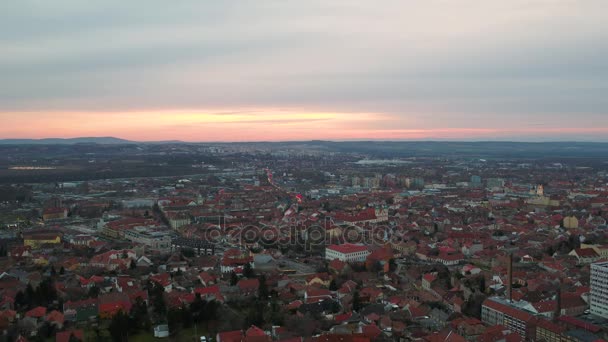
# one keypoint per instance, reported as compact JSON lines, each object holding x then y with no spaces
{"x":299,"y":233}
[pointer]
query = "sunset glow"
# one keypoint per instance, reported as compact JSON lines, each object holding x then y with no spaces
{"x":258,"y":125}
{"x":275,"y":70}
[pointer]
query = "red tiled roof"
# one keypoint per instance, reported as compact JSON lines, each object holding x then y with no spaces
{"x":579,"y":324}
{"x":248,"y":284}
{"x":55,"y":316}
{"x":254,"y":331}
{"x":37,"y":312}
{"x":586,"y":253}
{"x":64,"y":336}
{"x":230,"y":336}
{"x":513,"y":312}
{"x":347,"y":248}
{"x":550,"y":326}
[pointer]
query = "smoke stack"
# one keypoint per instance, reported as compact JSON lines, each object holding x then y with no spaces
{"x":510,"y":278}
{"x":558,"y":299}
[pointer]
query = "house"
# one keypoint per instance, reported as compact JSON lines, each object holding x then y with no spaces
{"x":338,"y":267}
{"x":314,"y":295}
{"x":207,"y":279}
{"x":209,"y":292}
{"x":229,"y":336}
{"x":144,"y":261}
{"x":112,"y":303}
{"x":445,"y":336}
{"x":55,"y":318}
{"x":321,"y":279}
{"x":585,"y":255}
{"x":231,"y":263}
{"x":81,"y":310}
{"x":428,"y":279}
{"x":264,"y":263}
{"x":256,"y":334}
{"x":82,"y":240}
{"x":163,"y":280}
{"x":114,"y":259}
{"x":248,"y":287}
{"x":19,"y":252}
{"x":70,"y":335}
{"x":470,"y":270}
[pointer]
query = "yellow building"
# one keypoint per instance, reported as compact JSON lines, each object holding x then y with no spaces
{"x":35,"y":240}
{"x":571,"y":222}
{"x":601,"y":250}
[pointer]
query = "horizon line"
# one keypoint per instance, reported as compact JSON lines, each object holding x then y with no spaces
{"x":298,"y":140}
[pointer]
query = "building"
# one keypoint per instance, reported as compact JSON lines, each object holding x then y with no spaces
{"x":570,"y":222}
{"x":153,"y":237}
{"x":347,"y":252}
{"x":37,"y":239}
{"x":54,"y":214}
{"x":585,"y":255}
{"x":599,"y":289}
{"x":496,"y":311}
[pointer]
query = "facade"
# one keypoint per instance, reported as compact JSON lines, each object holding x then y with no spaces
{"x":599,"y":289}
{"x":495,"y":311}
{"x":37,"y":239}
{"x":347,"y":252}
{"x":54,"y":214}
{"x":154,"y":238}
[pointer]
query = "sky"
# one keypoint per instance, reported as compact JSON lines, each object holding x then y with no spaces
{"x":198,"y":70}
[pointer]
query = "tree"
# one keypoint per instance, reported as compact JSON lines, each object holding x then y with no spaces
{"x":275,"y":316}
{"x":188,"y":252}
{"x":94,"y":291}
{"x":255,"y":315}
{"x":29,"y":295}
{"x":356,"y":301}
{"x":174,"y":316}
{"x":119,"y":327}
{"x":158,"y":300}
{"x":197,"y":307}
{"x":248,"y":271}
{"x":73,"y":338}
{"x":234,"y":279}
{"x":20,"y":300}
{"x":139,"y":315}
{"x":187,"y":318}
{"x":263,"y":288}
{"x":482,"y":284}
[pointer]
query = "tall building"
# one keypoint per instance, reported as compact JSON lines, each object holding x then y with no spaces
{"x":599,"y":289}
{"x":475,"y":181}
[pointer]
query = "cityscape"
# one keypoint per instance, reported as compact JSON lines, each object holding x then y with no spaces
{"x":300,"y":241}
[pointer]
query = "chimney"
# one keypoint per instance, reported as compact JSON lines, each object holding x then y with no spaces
{"x":558,"y":299}
{"x":510,"y":278}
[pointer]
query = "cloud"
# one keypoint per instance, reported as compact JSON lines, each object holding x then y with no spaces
{"x":424,"y":64}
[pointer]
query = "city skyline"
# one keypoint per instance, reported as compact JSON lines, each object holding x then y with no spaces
{"x":284,"y":71}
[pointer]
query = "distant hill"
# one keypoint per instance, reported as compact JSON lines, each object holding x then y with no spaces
{"x":83,"y":140}
{"x":376,"y":148}
{"x":68,"y":141}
